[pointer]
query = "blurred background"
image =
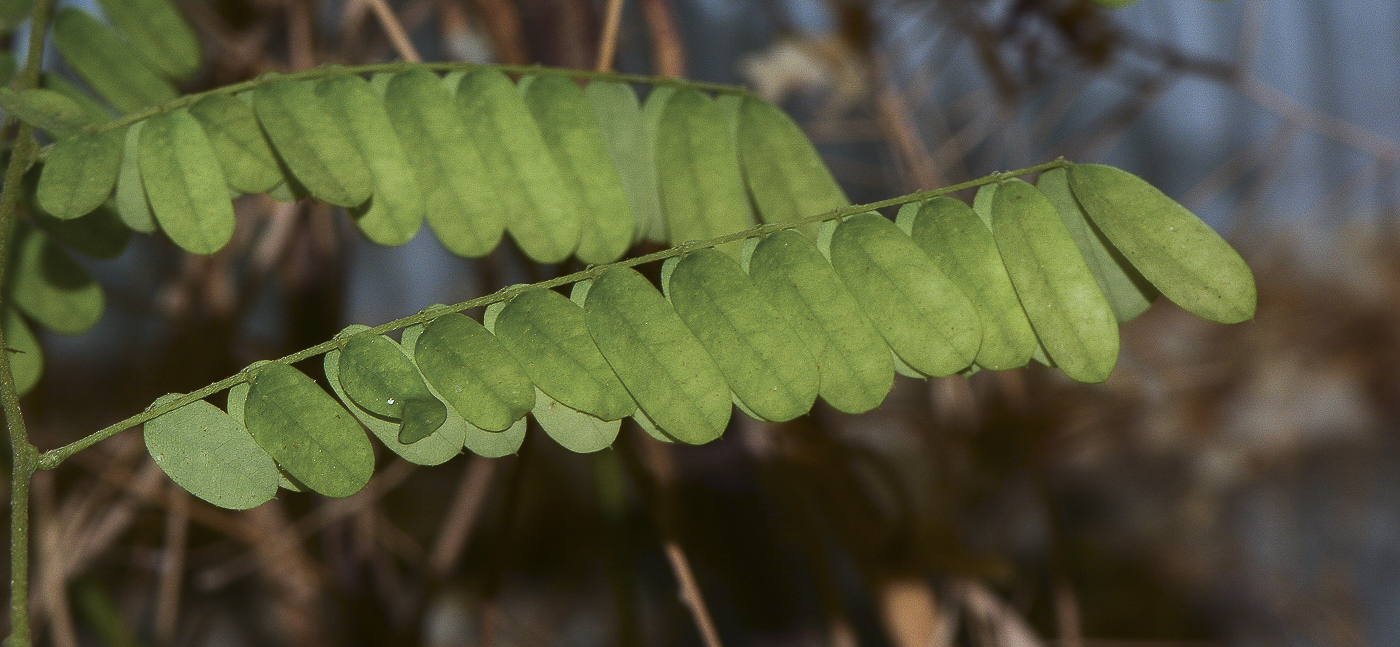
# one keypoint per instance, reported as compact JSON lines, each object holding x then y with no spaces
{"x":1228,"y":486}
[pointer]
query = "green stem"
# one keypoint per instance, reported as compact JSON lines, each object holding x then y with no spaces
{"x":52,"y":458}
{"x":25,"y":456}
{"x":338,"y":70}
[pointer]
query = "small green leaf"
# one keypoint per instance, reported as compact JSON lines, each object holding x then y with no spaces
{"x":653,"y":228}
{"x":436,"y":449}
{"x":922,"y":314}
{"x":473,"y":372}
{"x":132,"y":205}
{"x":786,"y":177}
{"x":963,"y":248}
{"x":380,"y":379}
{"x":1128,"y":293}
{"x":767,"y":367}
{"x":314,"y":144}
{"x":206,"y":452}
{"x":702,"y":191}
{"x":79,"y":175}
{"x":1058,"y":293}
{"x":50,"y":287}
{"x":669,"y":374}
{"x":540,"y":214}
{"x":1182,"y":256}
{"x":395,"y":212}
{"x":854,"y":361}
{"x":158,"y":33}
{"x":488,"y":444}
{"x":26,"y":356}
{"x":633,"y":152}
{"x":52,"y":111}
{"x":570,"y":131}
{"x":238,"y":141}
{"x":107,"y":62}
{"x":312,"y":437}
{"x":574,"y":430}
{"x":548,"y":334}
{"x":462,"y":206}
{"x":184,"y":184}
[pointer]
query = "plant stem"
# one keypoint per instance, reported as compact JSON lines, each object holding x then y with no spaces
{"x":53,"y":457}
{"x":24,"y":454}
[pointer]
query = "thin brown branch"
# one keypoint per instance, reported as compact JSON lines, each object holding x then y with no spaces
{"x":690,"y":593}
{"x":394,"y":29}
{"x":172,"y":565}
{"x":607,"y":45}
{"x":667,"y":50}
{"x":462,"y":515}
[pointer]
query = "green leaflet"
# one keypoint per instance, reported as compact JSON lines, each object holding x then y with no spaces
{"x":382,"y":380}
{"x":99,"y":234}
{"x":462,"y":206}
{"x":963,"y":248}
{"x":473,"y":372}
{"x":1061,"y":298}
{"x":52,"y":111}
{"x":238,"y":141}
{"x":310,"y":436}
{"x":107,"y":62}
{"x":574,"y":430}
{"x":854,"y":362}
{"x":26,"y":356}
{"x":654,"y":228}
{"x":132,"y":205}
{"x":1128,"y":293}
{"x":768,"y":368}
{"x":669,"y":374}
{"x":982,"y":203}
{"x":395,"y":212}
{"x":315,"y":146}
{"x":489,"y":444}
{"x":158,"y":33}
{"x":925,"y":318}
{"x":1182,"y":256}
{"x":570,"y":131}
{"x":541,"y":216}
{"x":702,"y":193}
{"x":184,"y":184}
{"x":436,"y":449}
{"x":50,"y":287}
{"x":785,"y":176}
{"x":237,"y":400}
{"x":79,"y":175}
{"x":547,"y":333}
{"x":208,"y":453}
{"x":633,"y":151}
